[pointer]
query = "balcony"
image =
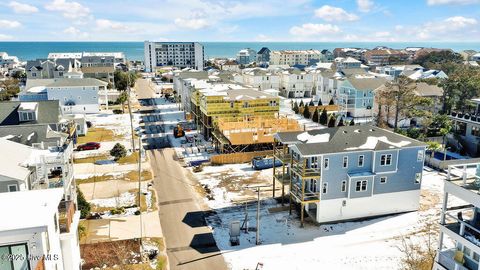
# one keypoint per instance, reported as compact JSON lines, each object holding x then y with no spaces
{"x":66,"y":210}
{"x":301,"y":169}
{"x":281,"y":152}
{"x":280,"y":177}
{"x":302,"y":194}
{"x":446,"y":261}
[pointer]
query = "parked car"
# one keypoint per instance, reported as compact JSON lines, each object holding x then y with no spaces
{"x":88,"y":146}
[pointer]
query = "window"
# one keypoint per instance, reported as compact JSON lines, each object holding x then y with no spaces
{"x":326,"y":164}
{"x":383,"y":180}
{"x":420,"y":154}
{"x":345,"y":162}
{"x":313,"y":185}
{"x":27,"y":116}
{"x":418,"y":178}
{"x":360,"y":160}
{"x":475,"y":131}
{"x":467,"y":251}
{"x":12,"y":188}
{"x":344,"y":186}
{"x":314,"y":163}
{"x":476,"y":257}
{"x":386,"y":160}
{"x":325,"y":188}
{"x":361,"y":185}
{"x":19,"y":257}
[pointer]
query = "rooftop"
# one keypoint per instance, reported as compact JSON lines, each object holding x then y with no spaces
{"x":345,"y":139}
{"x":29,"y":209}
{"x":15,"y":164}
{"x":48,"y":112}
{"x":63,"y":82}
{"x":296,"y":52}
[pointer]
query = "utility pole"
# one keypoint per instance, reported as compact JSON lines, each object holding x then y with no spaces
{"x":257,"y":189}
{"x":130,"y":112}
{"x":140,"y":184}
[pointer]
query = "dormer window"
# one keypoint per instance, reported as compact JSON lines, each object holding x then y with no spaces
{"x":27,"y":116}
{"x":27,"y":111}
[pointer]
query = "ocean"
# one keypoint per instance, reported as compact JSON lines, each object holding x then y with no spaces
{"x":134,"y":50}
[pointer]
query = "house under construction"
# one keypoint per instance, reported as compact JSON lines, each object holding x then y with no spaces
{"x":209,"y":106}
{"x":249,"y":134}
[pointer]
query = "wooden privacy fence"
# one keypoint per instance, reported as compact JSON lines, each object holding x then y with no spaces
{"x":238,"y":157}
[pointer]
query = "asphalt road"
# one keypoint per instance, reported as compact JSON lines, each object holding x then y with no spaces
{"x":190,"y":243}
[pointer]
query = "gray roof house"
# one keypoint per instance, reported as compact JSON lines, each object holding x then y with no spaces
{"x":350,"y":172}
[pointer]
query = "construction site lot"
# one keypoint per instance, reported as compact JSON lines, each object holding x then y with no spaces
{"x":232,"y":184}
{"x":373,"y":243}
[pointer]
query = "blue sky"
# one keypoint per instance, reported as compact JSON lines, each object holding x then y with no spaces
{"x":245,"y":20}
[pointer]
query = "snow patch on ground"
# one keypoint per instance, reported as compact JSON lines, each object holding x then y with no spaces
{"x":125,"y":199}
{"x":368,"y":244}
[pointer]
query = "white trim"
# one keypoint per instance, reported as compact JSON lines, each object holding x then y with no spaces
{"x":380,"y":180}
{"x":361,"y":184}
{"x":398,"y":155}
{"x":363,"y":161}
{"x":341,"y":186}
{"x":373,"y":161}
{"x":386,"y":155}
{"x":13,"y":185}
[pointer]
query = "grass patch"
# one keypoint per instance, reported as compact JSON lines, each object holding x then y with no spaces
{"x":91,"y":159}
{"x":130,"y":159}
{"x":133,"y":175}
{"x":98,"y":134}
{"x":133,"y":158}
{"x":129,"y":176}
{"x":96,"y":178}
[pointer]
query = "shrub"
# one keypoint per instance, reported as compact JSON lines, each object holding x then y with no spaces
{"x":83,"y":205}
{"x":118,"y":151}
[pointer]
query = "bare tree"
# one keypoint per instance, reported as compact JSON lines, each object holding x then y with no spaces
{"x":399,"y":95}
{"x":420,"y":255}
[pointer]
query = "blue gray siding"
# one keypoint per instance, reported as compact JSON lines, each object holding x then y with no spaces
{"x":400,"y":174}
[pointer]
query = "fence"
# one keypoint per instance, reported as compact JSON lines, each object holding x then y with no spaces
{"x":238,"y":157}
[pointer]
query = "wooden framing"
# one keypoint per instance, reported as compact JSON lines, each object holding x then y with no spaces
{"x":295,"y":168}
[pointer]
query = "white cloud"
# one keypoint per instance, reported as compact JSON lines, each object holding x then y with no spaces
{"x":455,"y":27}
{"x":22,"y":8}
{"x":329,"y":14}
{"x":104,"y":24}
{"x":193,"y":23}
{"x":382,"y":34}
{"x":364,"y":5}
{"x":451,"y":2}
{"x":263,"y":38}
{"x":5,"y":37}
{"x":75,"y":33}
{"x":9,"y":24}
{"x":72,"y":10}
{"x":311,"y":29}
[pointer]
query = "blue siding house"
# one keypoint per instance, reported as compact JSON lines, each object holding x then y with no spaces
{"x":356,"y":97}
{"x":351,"y":172}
